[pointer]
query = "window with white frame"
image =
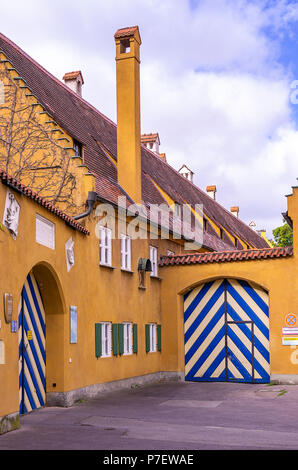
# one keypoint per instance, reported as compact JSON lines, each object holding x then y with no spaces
{"x":45,"y":232}
{"x":153,"y":259}
{"x":125,"y":252}
{"x":105,"y":246}
{"x":106,"y":339}
{"x":177,"y":209}
{"x":127,"y":338}
{"x":152,"y":337}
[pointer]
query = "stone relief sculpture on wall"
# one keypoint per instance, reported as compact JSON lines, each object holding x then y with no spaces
{"x":69,"y":251}
{"x":11,"y":214}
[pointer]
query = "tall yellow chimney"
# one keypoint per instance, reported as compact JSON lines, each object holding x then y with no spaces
{"x":128,"y":43}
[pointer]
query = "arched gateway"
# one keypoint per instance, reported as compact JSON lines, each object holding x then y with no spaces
{"x":41,"y":337}
{"x":226,"y":331}
{"x":32,"y":351}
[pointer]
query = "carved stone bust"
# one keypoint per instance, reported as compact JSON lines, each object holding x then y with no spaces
{"x":11,"y":214}
{"x":69,"y":251}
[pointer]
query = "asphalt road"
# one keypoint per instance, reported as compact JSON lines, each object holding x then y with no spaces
{"x":167,"y":416}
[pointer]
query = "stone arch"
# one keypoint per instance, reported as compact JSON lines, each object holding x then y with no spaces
{"x":204,"y":280}
{"x":42,"y":294}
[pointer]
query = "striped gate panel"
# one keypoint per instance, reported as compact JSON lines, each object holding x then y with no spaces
{"x":240,"y":365}
{"x":32,"y":360}
{"x":204,"y":331}
{"x":226,"y":330}
{"x":249,"y":303}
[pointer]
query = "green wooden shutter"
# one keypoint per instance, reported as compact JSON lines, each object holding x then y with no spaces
{"x":115,"y":339}
{"x":121,"y":338}
{"x":147,"y":337}
{"x":135,"y":337}
{"x":97,"y":339}
{"x":159,"y":337}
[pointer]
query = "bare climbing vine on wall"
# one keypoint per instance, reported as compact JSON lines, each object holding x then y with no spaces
{"x":29,"y":148}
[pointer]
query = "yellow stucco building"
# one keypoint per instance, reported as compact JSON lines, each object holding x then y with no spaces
{"x":127,"y":272}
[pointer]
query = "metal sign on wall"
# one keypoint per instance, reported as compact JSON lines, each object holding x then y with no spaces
{"x":290,"y":330}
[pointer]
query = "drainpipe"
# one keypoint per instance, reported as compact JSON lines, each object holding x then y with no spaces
{"x":90,"y":201}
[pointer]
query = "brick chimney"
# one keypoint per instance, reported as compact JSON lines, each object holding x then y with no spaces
{"x":211,"y":191}
{"x":128,"y":43}
{"x":75,"y":81}
{"x":235,"y":211}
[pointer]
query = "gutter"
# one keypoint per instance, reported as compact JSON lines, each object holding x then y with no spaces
{"x":92,"y":196}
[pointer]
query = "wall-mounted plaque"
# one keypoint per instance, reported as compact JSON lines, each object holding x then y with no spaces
{"x":8,"y":307}
{"x":45,"y":232}
{"x":2,"y":352}
{"x":73,"y":324}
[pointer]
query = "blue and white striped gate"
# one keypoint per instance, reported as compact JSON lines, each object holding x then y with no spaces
{"x":226,"y":331}
{"x":32,"y":358}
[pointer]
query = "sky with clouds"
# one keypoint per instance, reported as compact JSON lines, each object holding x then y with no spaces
{"x":217,"y":83}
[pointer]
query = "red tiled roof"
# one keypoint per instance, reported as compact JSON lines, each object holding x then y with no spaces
{"x":21,"y":188}
{"x":73,"y":75}
{"x":149,"y":138}
{"x":126,"y":32}
{"x":226,"y":256}
{"x":90,"y":127}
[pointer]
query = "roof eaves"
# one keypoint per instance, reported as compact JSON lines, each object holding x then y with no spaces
{"x":228,"y":256}
{"x":26,"y":191}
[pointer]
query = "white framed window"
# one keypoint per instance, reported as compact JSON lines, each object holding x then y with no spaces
{"x":152,"y":337}
{"x":106,"y":339}
{"x":177,"y":209}
{"x":127,"y":338}
{"x":153,"y":259}
{"x":105,"y":246}
{"x":125,"y":252}
{"x":45,"y":232}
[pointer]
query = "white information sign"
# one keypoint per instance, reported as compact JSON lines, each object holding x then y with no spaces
{"x":290,"y":340}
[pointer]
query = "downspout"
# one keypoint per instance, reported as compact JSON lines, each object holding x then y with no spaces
{"x":92,"y":196}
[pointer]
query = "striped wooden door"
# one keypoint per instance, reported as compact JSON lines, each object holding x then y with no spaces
{"x":32,"y":360}
{"x":226,"y":325}
{"x":248,"y":331}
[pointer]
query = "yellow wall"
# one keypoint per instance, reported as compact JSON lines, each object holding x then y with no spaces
{"x":278,"y":276}
{"x":100,"y":294}
{"x":106,"y":294}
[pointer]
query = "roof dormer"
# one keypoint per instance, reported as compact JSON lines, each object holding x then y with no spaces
{"x":151,"y":141}
{"x":186,"y":172}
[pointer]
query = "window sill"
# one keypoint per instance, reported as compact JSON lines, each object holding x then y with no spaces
{"x":127,"y":271}
{"x":106,"y":266}
{"x":156,"y":277}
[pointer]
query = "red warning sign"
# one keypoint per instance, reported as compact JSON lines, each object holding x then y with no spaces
{"x":291,"y":319}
